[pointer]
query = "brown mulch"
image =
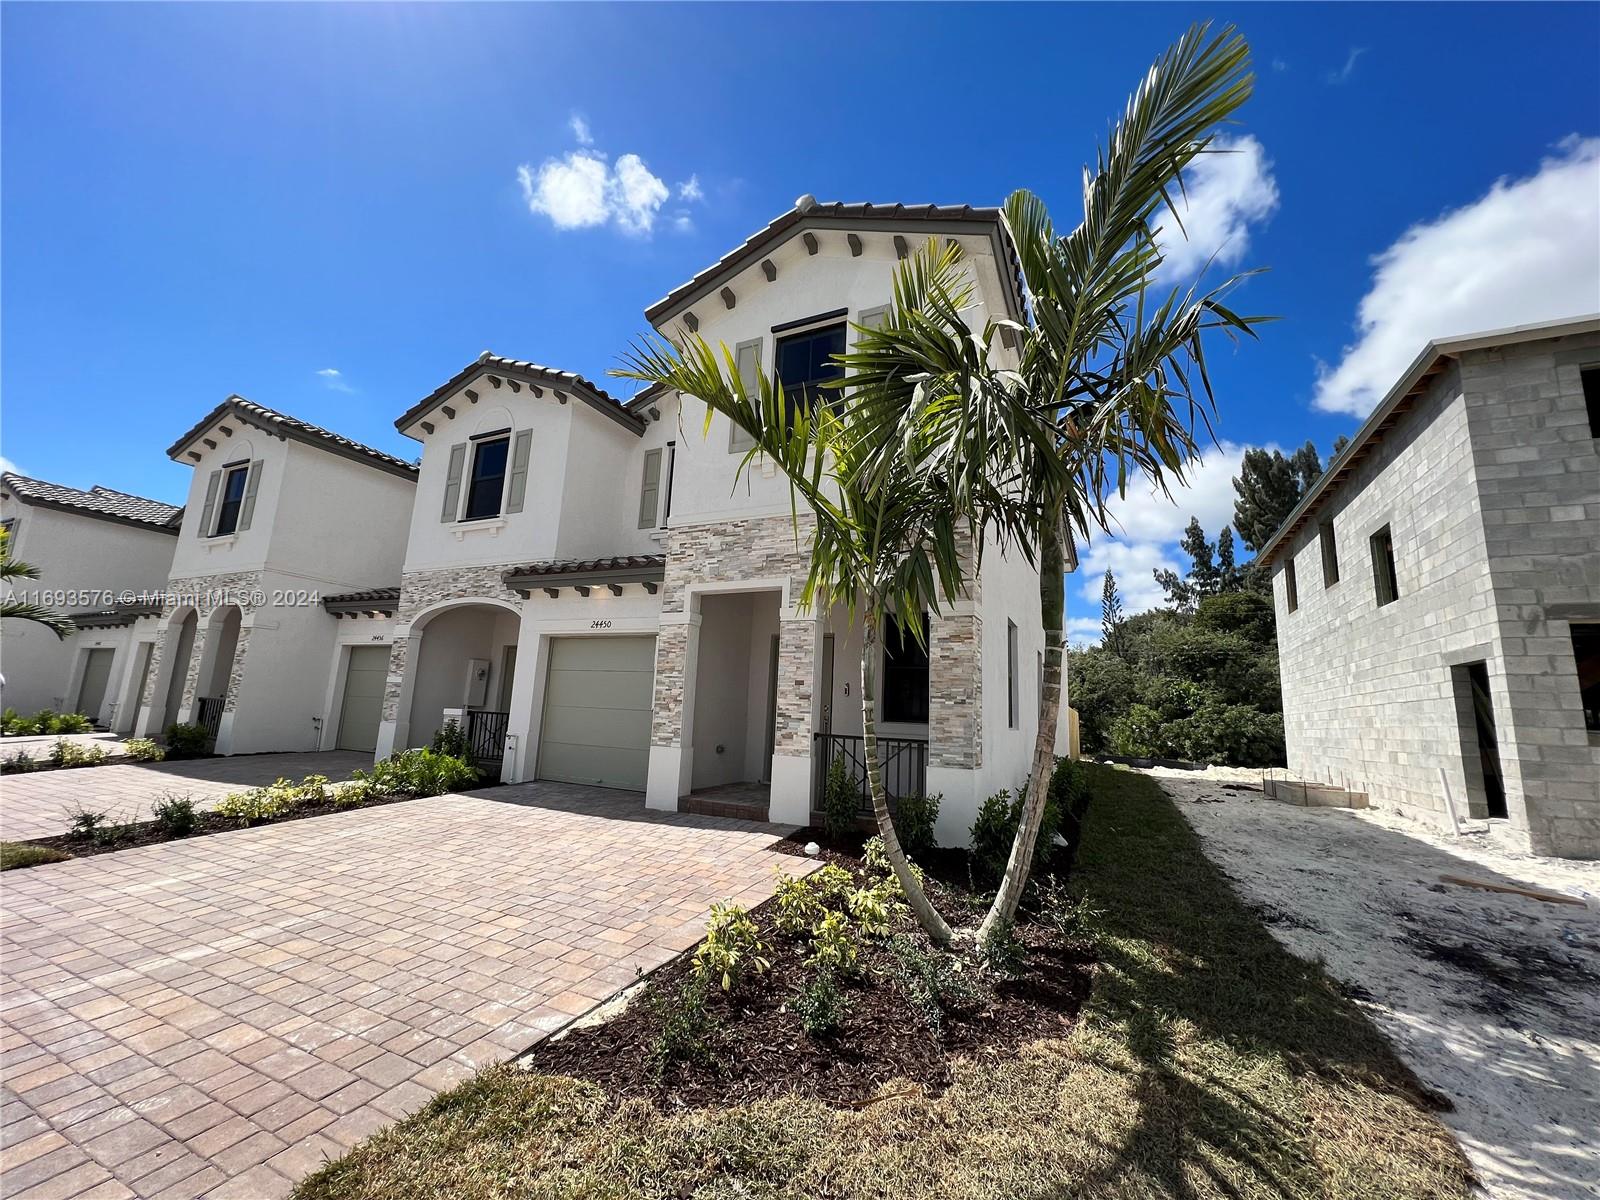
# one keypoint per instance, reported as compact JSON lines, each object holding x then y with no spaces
{"x":114,"y":837}
{"x":760,"y":1049}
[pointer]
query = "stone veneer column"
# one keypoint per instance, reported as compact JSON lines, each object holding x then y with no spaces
{"x":955,"y":690}
{"x":799,"y":642}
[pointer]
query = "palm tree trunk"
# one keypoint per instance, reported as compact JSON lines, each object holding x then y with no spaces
{"x":927,"y":916}
{"x":1052,"y":605}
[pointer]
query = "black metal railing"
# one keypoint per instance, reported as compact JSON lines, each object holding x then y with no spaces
{"x":903,"y":762}
{"x":486,"y":736}
{"x":209,"y":715}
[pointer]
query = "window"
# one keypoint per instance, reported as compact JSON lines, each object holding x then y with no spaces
{"x":1384,"y":580}
{"x":805,"y":362}
{"x":231,"y":499}
{"x":1330,"y":555}
{"x":1591,"y":398}
{"x":1291,"y":593}
{"x":1586,"y":650}
{"x":1012,"y":706}
{"x":666,"y":494}
{"x":905,"y":674}
{"x":488,"y":479}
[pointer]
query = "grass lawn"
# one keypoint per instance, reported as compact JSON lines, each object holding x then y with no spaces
{"x":1207,"y":1062}
{"x":16,"y":855}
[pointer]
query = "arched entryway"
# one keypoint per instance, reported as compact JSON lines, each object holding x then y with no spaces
{"x":215,"y":677}
{"x":177,"y":652}
{"x":463,"y":664}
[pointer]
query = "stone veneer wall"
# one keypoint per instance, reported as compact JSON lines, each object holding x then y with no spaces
{"x":955,"y":691}
{"x":420,"y":590}
{"x":214,"y":592}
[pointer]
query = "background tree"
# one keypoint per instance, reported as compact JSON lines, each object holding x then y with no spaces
{"x":1307,"y":467}
{"x":1111,"y":634}
{"x":1267,"y":490}
{"x":22,"y":610}
{"x":1229,"y":577}
{"x":1339,"y":443}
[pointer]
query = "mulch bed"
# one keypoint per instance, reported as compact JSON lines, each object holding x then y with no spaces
{"x":761,"y":1050}
{"x":150,"y":833}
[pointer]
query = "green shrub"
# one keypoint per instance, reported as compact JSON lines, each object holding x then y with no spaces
{"x":143,"y":750}
{"x":186,"y":741}
{"x":1239,"y":735}
{"x":841,"y":800}
{"x":798,"y":905}
{"x":873,"y":909}
{"x":936,"y":983}
{"x":71,"y":723}
{"x":257,"y":805}
{"x":19,"y":763}
{"x":834,"y":945}
{"x":354,"y":793}
{"x":995,"y":830}
{"x":1001,"y":952}
{"x":1248,"y":614}
{"x":731,"y":947}
{"x":85,"y":822}
{"x":70,"y":754}
{"x":175,"y":815}
{"x":420,"y":772}
{"x":44,"y":721}
{"x":452,"y":740}
{"x":833,"y":883}
{"x":914,"y":820}
{"x":15,"y":724}
{"x":1138,"y":733}
{"x":16,"y":855}
{"x":820,"y":1005}
{"x":685,"y":1027}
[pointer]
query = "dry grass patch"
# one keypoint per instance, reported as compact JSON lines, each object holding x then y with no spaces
{"x":1207,"y":1062}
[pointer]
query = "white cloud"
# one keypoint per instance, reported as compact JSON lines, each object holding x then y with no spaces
{"x":580,"y":129}
{"x":1083,"y":631}
{"x":1342,"y":75}
{"x":6,"y":465}
{"x":334,"y":379}
{"x":682,"y":222}
{"x":1279,"y":65}
{"x":690,"y":189}
{"x":1528,"y":250}
{"x":1134,"y":564}
{"x":1226,"y":190}
{"x":582,"y":190}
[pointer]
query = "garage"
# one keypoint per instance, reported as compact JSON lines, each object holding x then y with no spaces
{"x":362,"y":707}
{"x":96,"y":675}
{"x":596,"y":723}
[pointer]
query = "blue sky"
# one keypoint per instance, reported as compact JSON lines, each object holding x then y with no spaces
{"x":205,"y":199}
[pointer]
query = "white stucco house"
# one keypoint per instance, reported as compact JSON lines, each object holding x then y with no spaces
{"x":585,"y":588}
{"x":282,"y":518}
{"x":100,"y":554}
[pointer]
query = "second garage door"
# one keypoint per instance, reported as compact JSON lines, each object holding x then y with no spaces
{"x":363,"y":698}
{"x":596,"y":724}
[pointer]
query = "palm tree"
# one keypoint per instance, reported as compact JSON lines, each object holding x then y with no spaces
{"x":885,"y":545}
{"x":1111,"y":377}
{"x":21,"y":610}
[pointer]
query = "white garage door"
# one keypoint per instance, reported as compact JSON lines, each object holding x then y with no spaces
{"x":363,"y":698}
{"x":596,"y":724}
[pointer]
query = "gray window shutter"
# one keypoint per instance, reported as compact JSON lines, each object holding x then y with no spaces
{"x":873,"y":318}
{"x":247,"y":506}
{"x":452,"y":482}
{"x":650,"y":493}
{"x":521,"y":447}
{"x":212,"y":485}
{"x":748,"y":358}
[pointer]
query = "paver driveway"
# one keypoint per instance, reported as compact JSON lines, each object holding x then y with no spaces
{"x":212,"y":1017}
{"x":37,"y":805}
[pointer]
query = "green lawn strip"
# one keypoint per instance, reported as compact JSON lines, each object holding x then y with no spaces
{"x":1208,"y":1062}
{"x":16,"y":855}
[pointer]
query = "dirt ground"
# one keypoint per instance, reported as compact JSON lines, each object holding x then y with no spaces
{"x":1493,"y":999}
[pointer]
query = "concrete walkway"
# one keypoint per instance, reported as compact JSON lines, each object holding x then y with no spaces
{"x":215,"y":1017}
{"x":39,"y":804}
{"x":1491,"y":998}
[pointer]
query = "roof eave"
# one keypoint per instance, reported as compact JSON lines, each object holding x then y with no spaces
{"x":232,"y":408}
{"x":477,"y":370}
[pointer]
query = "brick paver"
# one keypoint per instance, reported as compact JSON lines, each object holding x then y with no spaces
{"x":214,"y":1016}
{"x":38,"y":804}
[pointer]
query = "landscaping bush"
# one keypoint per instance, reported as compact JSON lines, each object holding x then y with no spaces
{"x":70,"y":754}
{"x":186,"y":741}
{"x":13,"y":723}
{"x":354,"y":793}
{"x":1239,"y":734}
{"x":685,"y":1025}
{"x":452,"y":740}
{"x":833,"y":883}
{"x":834,"y":945}
{"x":872,"y":909}
{"x":841,"y":799}
{"x":45,"y":721}
{"x":1001,"y":952}
{"x":257,"y":805}
{"x":914,"y":819}
{"x":799,"y":907}
{"x":85,"y":822}
{"x":175,"y":815}
{"x":732,"y":946}
{"x":934,"y":982}
{"x":143,"y":750}
{"x":71,"y":723}
{"x":995,"y":829}
{"x":1138,"y":733}
{"x":16,"y":855}
{"x":820,"y":1005}
{"x":420,"y":772}
{"x":19,"y":764}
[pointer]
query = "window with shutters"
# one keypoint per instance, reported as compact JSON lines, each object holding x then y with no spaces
{"x":231,"y":499}
{"x":488,"y":480}
{"x":804,"y":364}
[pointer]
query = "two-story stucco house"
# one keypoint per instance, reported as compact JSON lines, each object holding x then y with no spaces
{"x":587,"y":590}
{"x":98,"y":553}
{"x":1438,"y":591}
{"x":283,"y":519}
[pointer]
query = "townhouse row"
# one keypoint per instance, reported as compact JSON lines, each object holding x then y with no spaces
{"x":585,"y":584}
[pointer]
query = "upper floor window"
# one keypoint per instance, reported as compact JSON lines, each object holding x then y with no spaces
{"x":231,"y":499}
{"x":1013,"y":701}
{"x":804,"y":362}
{"x":1385,"y":580}
{"x":1591,"y":398}
{"x":1291,"y":591}
{"x":488,"y":480}
{"x":905,"y":674}
{"x":1330,"y":554}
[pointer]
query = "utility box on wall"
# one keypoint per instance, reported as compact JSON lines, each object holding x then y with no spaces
{"x":477,"y":694}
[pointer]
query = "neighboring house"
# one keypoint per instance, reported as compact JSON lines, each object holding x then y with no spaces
{"x":1438,"y":591}
{"x":587,"y":590}
{"x":283,"y":520}
{"x":100,"y":555}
